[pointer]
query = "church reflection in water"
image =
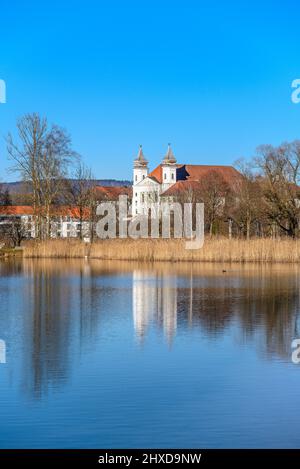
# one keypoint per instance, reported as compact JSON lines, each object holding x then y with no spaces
{"x":154,"y":300}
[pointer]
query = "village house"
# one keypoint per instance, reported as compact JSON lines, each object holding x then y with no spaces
{"x":65,"y":221}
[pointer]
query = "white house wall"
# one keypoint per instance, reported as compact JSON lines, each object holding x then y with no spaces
{"x":145,"y":194}
{"x":60,"y":228}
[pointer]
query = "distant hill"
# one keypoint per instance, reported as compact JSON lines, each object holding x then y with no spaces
{"x":19,"y":187}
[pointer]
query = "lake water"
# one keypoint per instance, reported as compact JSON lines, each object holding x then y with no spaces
{"x":106,"y":355}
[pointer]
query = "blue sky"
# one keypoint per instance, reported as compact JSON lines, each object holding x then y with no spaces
{"x":212,"y":78}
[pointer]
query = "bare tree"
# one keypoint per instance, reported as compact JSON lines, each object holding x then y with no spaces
{"x":245,"y":210}
{"x":280,"y":171}
{"x":40,"y":155}
{"x":26,"y":152}
{"x":5,"y":198}
{"x":80,"y":192}
{"x":53,"y":169}
{"x":13,"y":231}
{"x":214,"y":191}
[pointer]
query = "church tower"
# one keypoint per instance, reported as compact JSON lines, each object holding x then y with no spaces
{"x":168,"y":166}
{"x":140,"y":172}
{"x":140,"y":167}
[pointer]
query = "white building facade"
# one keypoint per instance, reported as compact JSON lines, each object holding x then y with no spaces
{"x":65,"y":225}
{"x":147,"y":188}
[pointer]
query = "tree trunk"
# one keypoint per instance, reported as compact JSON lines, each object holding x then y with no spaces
{"x":248,"y":229}
{"x":230,"y":228}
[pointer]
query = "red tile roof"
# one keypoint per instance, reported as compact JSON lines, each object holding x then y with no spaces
{"x":73,"y":212}
{"x":63,"y":210}
{"x":157,"y":173}
{"x":16,"y":210}
{"x":180,"y":187}
{"x":113,"y":192}
{"x":197,"y":172}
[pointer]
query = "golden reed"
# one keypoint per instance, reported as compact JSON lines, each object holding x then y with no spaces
{"x":214,"y":250}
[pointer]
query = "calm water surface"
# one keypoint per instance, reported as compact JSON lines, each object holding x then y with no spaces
{"x":124,"y":355}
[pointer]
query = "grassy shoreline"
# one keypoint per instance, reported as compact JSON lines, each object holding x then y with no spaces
{"x":170,"y":250}
{"x":10,"y":252}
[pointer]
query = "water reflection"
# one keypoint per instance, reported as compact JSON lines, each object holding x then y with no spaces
{"x":262,"y":304}
{"x":54,"y":312}
{"x":154,"y":298}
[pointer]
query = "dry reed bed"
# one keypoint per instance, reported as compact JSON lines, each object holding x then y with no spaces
{"x":214,"y":250}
